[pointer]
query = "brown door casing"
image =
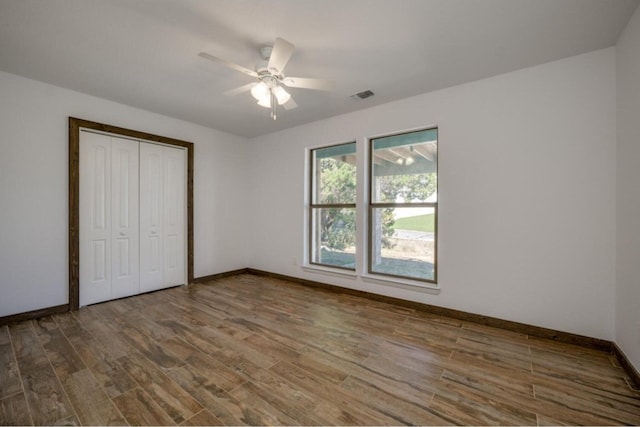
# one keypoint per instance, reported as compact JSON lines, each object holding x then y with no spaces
{"x":75,"y":125}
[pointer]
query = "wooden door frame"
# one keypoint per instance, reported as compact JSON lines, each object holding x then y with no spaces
{"x":75,"y":125}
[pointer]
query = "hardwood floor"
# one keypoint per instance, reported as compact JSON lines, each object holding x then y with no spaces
{"x":254,"y":350}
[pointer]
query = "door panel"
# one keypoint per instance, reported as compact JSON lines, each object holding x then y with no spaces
{"x":174,"y":207}
{"x":122,"y":259}
{"x":95,"y":218}
{"x":155,"y":256}
{"x":125,"y":230}
{"x":151,"y":217}
{"x":99,"y":254}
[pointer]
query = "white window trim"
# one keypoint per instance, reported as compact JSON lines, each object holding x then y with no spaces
{"x":362,"y":200}
{"x":338,"y":272}
{"x":426,"y":287}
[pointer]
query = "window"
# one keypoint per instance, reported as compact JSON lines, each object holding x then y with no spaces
{"x":332,"y":224}
{"x":403,"y":205}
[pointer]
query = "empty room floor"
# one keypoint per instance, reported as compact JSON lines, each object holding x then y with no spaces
{"x":252,"y":350}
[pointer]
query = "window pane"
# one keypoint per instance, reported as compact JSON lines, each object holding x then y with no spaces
{"x":403,"y":242}
{"x":405,"y":168}
{"x":334,"y":170}
{"x":333,"y":237}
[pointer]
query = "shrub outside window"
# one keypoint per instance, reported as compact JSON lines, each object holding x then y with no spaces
{"x":403,"y":205}
{"x":332,"y":224}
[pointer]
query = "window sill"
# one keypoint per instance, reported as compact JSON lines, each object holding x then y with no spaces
{"x":338,"y":272}
{"x":430,"y":288}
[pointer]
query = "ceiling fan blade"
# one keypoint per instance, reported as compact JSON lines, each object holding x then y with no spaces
{"x":307,"y":83}
{"x":229,"y":64}
{"x":290,"y":104}
{"x":280,"y":55}
{"x":241,"y":89}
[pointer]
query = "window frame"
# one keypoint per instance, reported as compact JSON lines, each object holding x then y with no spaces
{"x":313,"y":206}
{"x":372,"y":205}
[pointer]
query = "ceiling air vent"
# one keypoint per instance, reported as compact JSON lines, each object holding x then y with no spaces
{"x":363,"y":95}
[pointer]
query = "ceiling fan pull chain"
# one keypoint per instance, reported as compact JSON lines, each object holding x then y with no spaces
{"x":273,"y":104}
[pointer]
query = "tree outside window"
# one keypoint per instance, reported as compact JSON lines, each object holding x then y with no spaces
{"x":333,"y":206}
{"x":403,"y":205}
{"x":402,"y":211}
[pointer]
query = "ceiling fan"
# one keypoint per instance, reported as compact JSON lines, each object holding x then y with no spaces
{"x":268,"y":90}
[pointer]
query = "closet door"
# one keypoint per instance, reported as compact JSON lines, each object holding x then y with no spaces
{"x":95,"y":218}
{"x":174,"y":207}
{"x":162,"y":207}
{"x":108,"y":218}
{"x":124,"y":218}
{"x":151,"y":217}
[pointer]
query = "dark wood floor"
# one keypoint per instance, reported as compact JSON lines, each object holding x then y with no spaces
{"x":252,"y":350}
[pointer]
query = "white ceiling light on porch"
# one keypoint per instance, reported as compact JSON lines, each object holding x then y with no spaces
{"x":270,"y":75}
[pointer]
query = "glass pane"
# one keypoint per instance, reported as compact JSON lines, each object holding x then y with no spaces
{"x":405,"y":168}
{"x":403,"y":242}
{"x":333,"y":237}
{"x":334,"y":174}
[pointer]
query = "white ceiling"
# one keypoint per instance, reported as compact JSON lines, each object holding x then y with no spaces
{"x":144,"y":53}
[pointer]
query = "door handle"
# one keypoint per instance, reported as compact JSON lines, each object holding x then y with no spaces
{"x":122,"y":233}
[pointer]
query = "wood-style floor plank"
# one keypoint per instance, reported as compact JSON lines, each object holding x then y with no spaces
{"x":221,"y":404}
{"x":403,"y":412}
{"x":174,"y":400}
{"x":249,"y":350}
{"x":14,"y":411}
{"x":47,"y":401}
{"x":203,"y":418}
{"x":210,"y":368}
{"x":139,"y":409}
{"x":334,"y":404}
{"x":89,"y":400}
{"x":9,"y":376}
{"x":63,"y":357}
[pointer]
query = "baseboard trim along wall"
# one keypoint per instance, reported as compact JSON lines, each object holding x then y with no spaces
{"x":35,"y":314}
{"x":210,"y":277}
{"x":535,"y":331}
{"x":63,"y":308}
{"x":627,"y":366}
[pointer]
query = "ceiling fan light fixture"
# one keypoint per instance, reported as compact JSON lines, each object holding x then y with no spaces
{"x":265,"y":101}
{"x":260,"y":91}
{"x":281,"y":95}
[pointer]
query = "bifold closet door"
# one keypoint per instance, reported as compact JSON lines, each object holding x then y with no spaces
{"x":174,"y":216}
{"x":162,"y":206}
{"x":109,"y":234}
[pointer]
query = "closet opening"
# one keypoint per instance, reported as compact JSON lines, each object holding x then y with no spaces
{"x":144,"y":171}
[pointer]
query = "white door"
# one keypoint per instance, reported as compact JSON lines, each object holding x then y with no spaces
{"x":162,"y":206}
{"x":151,"y":218}
{"x":108,"y":218}
{"x":132,"y":217}
{"x":124,"y":218}
{"x":95,"y":218}
{"x":174,"y":204}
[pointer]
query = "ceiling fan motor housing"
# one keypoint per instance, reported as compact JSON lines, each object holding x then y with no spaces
{"x":262,"y":67}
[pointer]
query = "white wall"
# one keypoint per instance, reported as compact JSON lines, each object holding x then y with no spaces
{"x":34,"y":195}
{"x":527,"y":193}
{"x":627,"y":305}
